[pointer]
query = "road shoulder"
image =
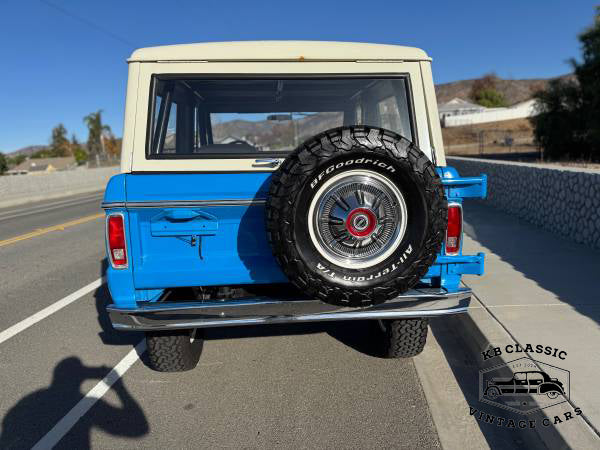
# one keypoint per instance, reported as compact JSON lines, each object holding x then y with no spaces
{"x":447,"y":404}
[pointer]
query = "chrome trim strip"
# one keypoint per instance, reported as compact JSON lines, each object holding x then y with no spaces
{"x":110,"y":205}
{"x":185,"y":203}
{"x":252,"y":311}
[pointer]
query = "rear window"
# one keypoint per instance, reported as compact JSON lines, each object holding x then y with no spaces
{"x":237,"y":118}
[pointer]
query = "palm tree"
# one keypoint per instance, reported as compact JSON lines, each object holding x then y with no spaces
{"x":96,"y":129}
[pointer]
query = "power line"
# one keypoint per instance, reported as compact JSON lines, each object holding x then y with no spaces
{"x":89,"y":23}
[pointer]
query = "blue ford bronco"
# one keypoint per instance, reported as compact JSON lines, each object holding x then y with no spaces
{"x":280,"y":182}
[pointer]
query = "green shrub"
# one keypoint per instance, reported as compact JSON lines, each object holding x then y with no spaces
{"x":490,"y":98}
{"x":3,"y":163}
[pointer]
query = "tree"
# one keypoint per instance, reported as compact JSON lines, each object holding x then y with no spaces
{"x":111,"y":145}
{"x":3,"y":164}
{"x":95,"y":128}
{"x":485,"y":92}
{"x":59,"y":144}
{"x":588,"y":75}
{"x":77,"y":151}
{"x":567,"y":123}
{"x":557,"y":123}
{"x":15,"y":160}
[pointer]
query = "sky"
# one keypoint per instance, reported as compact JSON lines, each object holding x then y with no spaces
{"x":62,"y":59}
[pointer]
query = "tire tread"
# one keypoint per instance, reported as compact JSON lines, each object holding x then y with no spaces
{"x":405,"y":338}
{"x":173,"y":351}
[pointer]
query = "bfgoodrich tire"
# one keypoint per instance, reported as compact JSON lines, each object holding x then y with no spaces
{"x":356,"y":215}
{"x":404,"y":338}
{"x":174,"y":351}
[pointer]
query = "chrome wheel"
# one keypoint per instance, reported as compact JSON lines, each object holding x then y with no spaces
{"x":357,"y":219}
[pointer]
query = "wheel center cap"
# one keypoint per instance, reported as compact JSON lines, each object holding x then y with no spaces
{"x":361,"y":222}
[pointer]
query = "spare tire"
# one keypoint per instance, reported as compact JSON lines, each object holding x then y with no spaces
{"x":356,"y":215}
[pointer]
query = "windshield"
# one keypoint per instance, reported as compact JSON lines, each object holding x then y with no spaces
{"x":195,"y":118}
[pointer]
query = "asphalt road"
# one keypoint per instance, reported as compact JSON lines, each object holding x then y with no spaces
{"x":278,"y":386}
{"x":18,"y":220}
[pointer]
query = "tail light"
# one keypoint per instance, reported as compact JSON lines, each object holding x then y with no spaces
{"x":454,"y":231}
{"x":115,"y":235}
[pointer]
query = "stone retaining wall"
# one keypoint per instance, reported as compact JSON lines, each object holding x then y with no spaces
{"x":19,"y":189}
{"x":565,"y":200}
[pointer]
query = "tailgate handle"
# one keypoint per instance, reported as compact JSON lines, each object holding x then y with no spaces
{"x":183,"y":222}
{"x":181,"y":214}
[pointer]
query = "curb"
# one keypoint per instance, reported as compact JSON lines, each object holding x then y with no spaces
{"x":447,"y":406}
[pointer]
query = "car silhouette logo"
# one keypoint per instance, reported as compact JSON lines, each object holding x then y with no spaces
{"x":524,"y":385}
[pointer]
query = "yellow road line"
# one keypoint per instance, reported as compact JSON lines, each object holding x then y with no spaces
{"x":42,"y":231}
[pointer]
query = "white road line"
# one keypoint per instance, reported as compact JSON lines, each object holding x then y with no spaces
{"x":85,"y":404}
{"x":54,"y":307}
{"x":531,"y":305}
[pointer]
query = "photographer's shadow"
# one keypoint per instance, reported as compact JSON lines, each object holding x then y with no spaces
{"x":35,"y":414}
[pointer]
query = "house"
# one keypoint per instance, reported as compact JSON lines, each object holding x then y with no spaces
{"x":520,"y":110}
{"x":458,"y":106}
{"x":229,"y":139}
{"x":43,"y":165}
{"x":250,"y":140}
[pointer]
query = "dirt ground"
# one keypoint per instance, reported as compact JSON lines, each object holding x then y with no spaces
{"x":506,"y":140}
{"x":508,"y":136}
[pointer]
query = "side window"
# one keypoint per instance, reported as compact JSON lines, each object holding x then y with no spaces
{"x":387,"y":107}
{"x":520,"y":376}
{"x":535,"y":378}
{"x":170,"y":144}
{"x":388,"y":113}
{"x":359,"y":114}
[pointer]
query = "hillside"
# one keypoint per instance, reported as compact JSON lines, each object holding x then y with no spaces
{"x":275,"y":134}
{"x":27,"y":151}
{"x":514,"y":91}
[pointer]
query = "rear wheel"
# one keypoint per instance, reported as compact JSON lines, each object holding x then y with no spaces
{"x":174,"y":351}
{"x":403,"y":338}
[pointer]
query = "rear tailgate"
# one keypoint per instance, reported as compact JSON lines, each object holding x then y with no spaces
{"x":199,"y":229}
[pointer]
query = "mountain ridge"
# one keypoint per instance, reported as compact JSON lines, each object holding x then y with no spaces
{"x":514,"y":91}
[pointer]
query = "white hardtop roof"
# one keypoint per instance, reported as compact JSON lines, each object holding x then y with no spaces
{"x":278,"y":51}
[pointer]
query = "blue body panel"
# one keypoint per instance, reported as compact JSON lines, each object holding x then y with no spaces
{"x":196,"y":186}
{"x":223,"y":244}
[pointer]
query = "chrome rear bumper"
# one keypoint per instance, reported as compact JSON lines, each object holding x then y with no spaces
{"x":262,"y":310}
